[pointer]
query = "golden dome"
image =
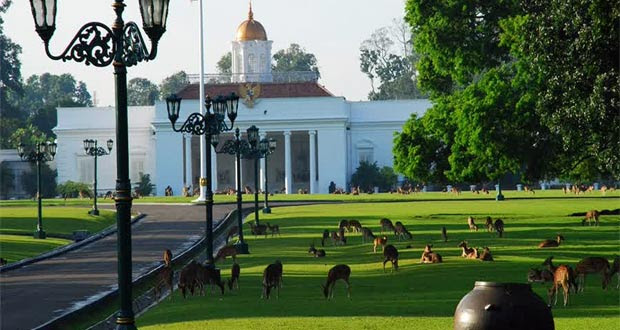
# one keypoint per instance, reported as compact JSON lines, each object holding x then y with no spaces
{"x":251,"y":29}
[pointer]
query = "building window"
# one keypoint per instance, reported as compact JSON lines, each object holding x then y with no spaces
{"x":365,"y":155}
{"x":137,"y":168}
{"x":85,"y":167}
{"x":262,"y":64}
{"x":252,"y":63}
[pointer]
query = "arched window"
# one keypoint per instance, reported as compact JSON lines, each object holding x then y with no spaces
{"x":365,"y":151}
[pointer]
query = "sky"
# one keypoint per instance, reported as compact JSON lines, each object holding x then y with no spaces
{"x":330,"y":29}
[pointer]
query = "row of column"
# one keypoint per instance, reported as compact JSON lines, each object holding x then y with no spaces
{"x":288,"y":170}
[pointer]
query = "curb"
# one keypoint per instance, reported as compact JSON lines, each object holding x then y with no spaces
{"x":67,"y":248}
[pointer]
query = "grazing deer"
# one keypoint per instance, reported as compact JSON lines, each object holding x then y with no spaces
{"x":386,"y":224}
{"x":165,"y":276}
{"x":317,"y":253}
{"x":430,"y":257}
{"x":338,"y":272}
{"x":226,"y":251}
{"x":561,"y":277}
{"x":592,"y":265}
{"x":272,"y":277}
{"x":275,"y":229}
{"x":400,"y":231}
{"x":469,"y":253}
{"x":489,"y":224}
{"x":188,"y":279}
{"x":471,"y":224}
{"x":536,"y":275}
{"x":258,"y":229}
{"x":551,"y":243}
{"x":486,"y":254}
{"x":325,"y":236}
{"x":591,"y":215}
{"x":344,"y":224}
{"x":444,"y":234}
{"x":233,"y":282}
{"x":337,"y":239}
{"x":551,"y":269}
{"x":212,"y":276}
{"x":234,"y":230}
{"x":390,"y":253}
{"x":367,"y":235}
{"x":499,"y":227}
{"x":382,"y":240}
{"x":355,"y":225}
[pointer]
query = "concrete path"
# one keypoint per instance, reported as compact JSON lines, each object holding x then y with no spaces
{"x":37,"y":293}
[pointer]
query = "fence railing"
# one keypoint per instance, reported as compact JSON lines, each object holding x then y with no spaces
{"x":278,"y":77}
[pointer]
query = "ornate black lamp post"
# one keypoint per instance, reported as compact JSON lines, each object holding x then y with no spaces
{"x":254,"y":153}
{"x":121,"y":45}
{"x":43,"y":152}
{"x":237,"y":147}
{"x":269,"y":146}
{"x":91,"y":149}
{"x":211,"y":124}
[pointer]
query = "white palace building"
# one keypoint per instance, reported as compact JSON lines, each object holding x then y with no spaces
{"x":320,"y":137}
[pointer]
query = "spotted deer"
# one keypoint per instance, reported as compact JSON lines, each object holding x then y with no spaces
{"x":258,"y":229}
{"x":367,"y":235}
{"x":233,"y":282}
{"x":561,"y":278}
{"x":551,"y":243}
{"x":400,"y":231}
{"x":390,"y":253}
{"x":355,"y":225}
{"x":486,"y":254}
{"x":591,"y":215}
{"x":338,"y":272}
{"x":379,"y":241}
{"x":189,"y":278}
{"x":430,"y":257}
{"x":275,"y":229}
{"x":472,"y":225}
{"x":535,"y":275}
{"x":165,"y":277}
{"x":386,"y":224}
{"x":344,"y":224}
{"x":272,"y":278}
{"x":337,"y":239}
{"x":489,"y":224}
{"x":325,"y":236}
{"x":226,"y":251}
{"x":317,"y":253}
{"x":552,"y":268}
{"x":469,"y":253}
{"x":234,"y":230}
{"x":499,"y":227}
{"x":592,"y":265}
{"x":212,"y":276}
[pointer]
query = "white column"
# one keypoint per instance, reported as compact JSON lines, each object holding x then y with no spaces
{"x":238,"y":164}
{"x":188,"y":160}
{"x":288,"y":171}
{"x":214,"y":168}
{"x":262,"y":166}
{"x":312,"y":138}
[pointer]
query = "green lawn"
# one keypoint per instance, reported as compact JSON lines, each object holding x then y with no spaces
{"x":417,"y":296}
{"x":17,"y":225}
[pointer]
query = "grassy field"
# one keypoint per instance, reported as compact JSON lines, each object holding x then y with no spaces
{"x":417,"y":296}
{"x":17,"y":225}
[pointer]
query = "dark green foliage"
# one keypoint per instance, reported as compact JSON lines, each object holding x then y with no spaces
{"x":294,"y":58}
{"x":145,"y":187}
{"x":72,"y":189}
{"x":6,"y":179}
{"x":173,"y":84}
{"x":224,"y":65}
{"x":367,"y":176}
{"x":141,"y":91}
{"x":48,"y":181}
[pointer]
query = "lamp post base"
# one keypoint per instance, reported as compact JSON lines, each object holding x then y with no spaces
{"x":93,"y":212}
{"x":242,"y":248}
{"x":39,"y":234}
{"x":266,"y":210}
{"x":499,"y":197}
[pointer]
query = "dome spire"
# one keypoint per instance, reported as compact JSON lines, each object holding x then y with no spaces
{"x":250,"y":13}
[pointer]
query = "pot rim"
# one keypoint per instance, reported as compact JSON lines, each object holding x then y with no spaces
{"x":502,"y":285}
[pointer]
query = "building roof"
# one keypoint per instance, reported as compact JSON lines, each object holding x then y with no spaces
{"x":251,"y":29}
{"x":267,"y":90}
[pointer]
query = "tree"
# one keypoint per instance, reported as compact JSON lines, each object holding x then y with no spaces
{"x":145,"y":187}
{"x":48,"y":181}
{"x":294,"y":58}
{"x":388,"y":57}
{"x":369,"y":175}
{"x":141,"y":91}
{"x":224,"y":65}
{"x":173,"y":84}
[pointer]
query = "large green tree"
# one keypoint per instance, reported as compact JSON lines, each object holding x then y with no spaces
{"x":294,"y":58}
{"x":224,"y":65}
{"x":173,"y":84}
{"x":141,"y":91}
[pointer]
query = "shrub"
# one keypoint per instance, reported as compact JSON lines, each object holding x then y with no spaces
{"x":72,"y":189}
{"x":145,"y":187}
{"x":367,"y":176}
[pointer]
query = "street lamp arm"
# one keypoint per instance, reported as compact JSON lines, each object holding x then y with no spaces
{"x":92,"y":44}
{"x":194,"y":124}
{"x":134,"y":47}
{"x":99,"y":151}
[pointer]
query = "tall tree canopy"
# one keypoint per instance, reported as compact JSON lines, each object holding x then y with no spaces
{"x":173,"y":84}
{"x":141,"y":91}
{"x":224,"y":65}
{"x":388,"y":58}
{"x":294,"y":58}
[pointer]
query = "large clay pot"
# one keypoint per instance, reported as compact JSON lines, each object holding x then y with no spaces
{"x":502,"y":306}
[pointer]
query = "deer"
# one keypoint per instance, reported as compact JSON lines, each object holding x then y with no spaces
{"x":367,"y":234}
{"x":320,"y":253}
{"x":166,"y":275}
{"x":615,"y":270}
{"x":210,"y":275}
{"x":390,"y":253}
{"x":469,"y":253}
{"x":591,"y":215}
{"x":536,"y":275}
{"x":400,"y":231}
{"x":430,"y":257}
{"x":486,"y":254}
{"x":472,"y":225}
{"x":381,"y":240}
{"x":337,"y":239}
{"x":386,"y":224}
{"x":592,"y":265}
{"x":233,"y":282}
{"x":226,"y":251}
{"x":551,"y":243}
{"x":325,"y":236}
{"x":356,"y":225}
{"x":272,"y":278}
{"x":275,"y":229}
{"x":551,"y":269}
{"x":189,"y":278}
{"x":561,"y":277}
{"x":444,"y":234}
{"x":338,"y":272}
{"x":234,"y":230}
{"x":489,"y":224}
{"x":258,"y":229}
{"x":344,"y":224}
{"x":499,"y":227}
